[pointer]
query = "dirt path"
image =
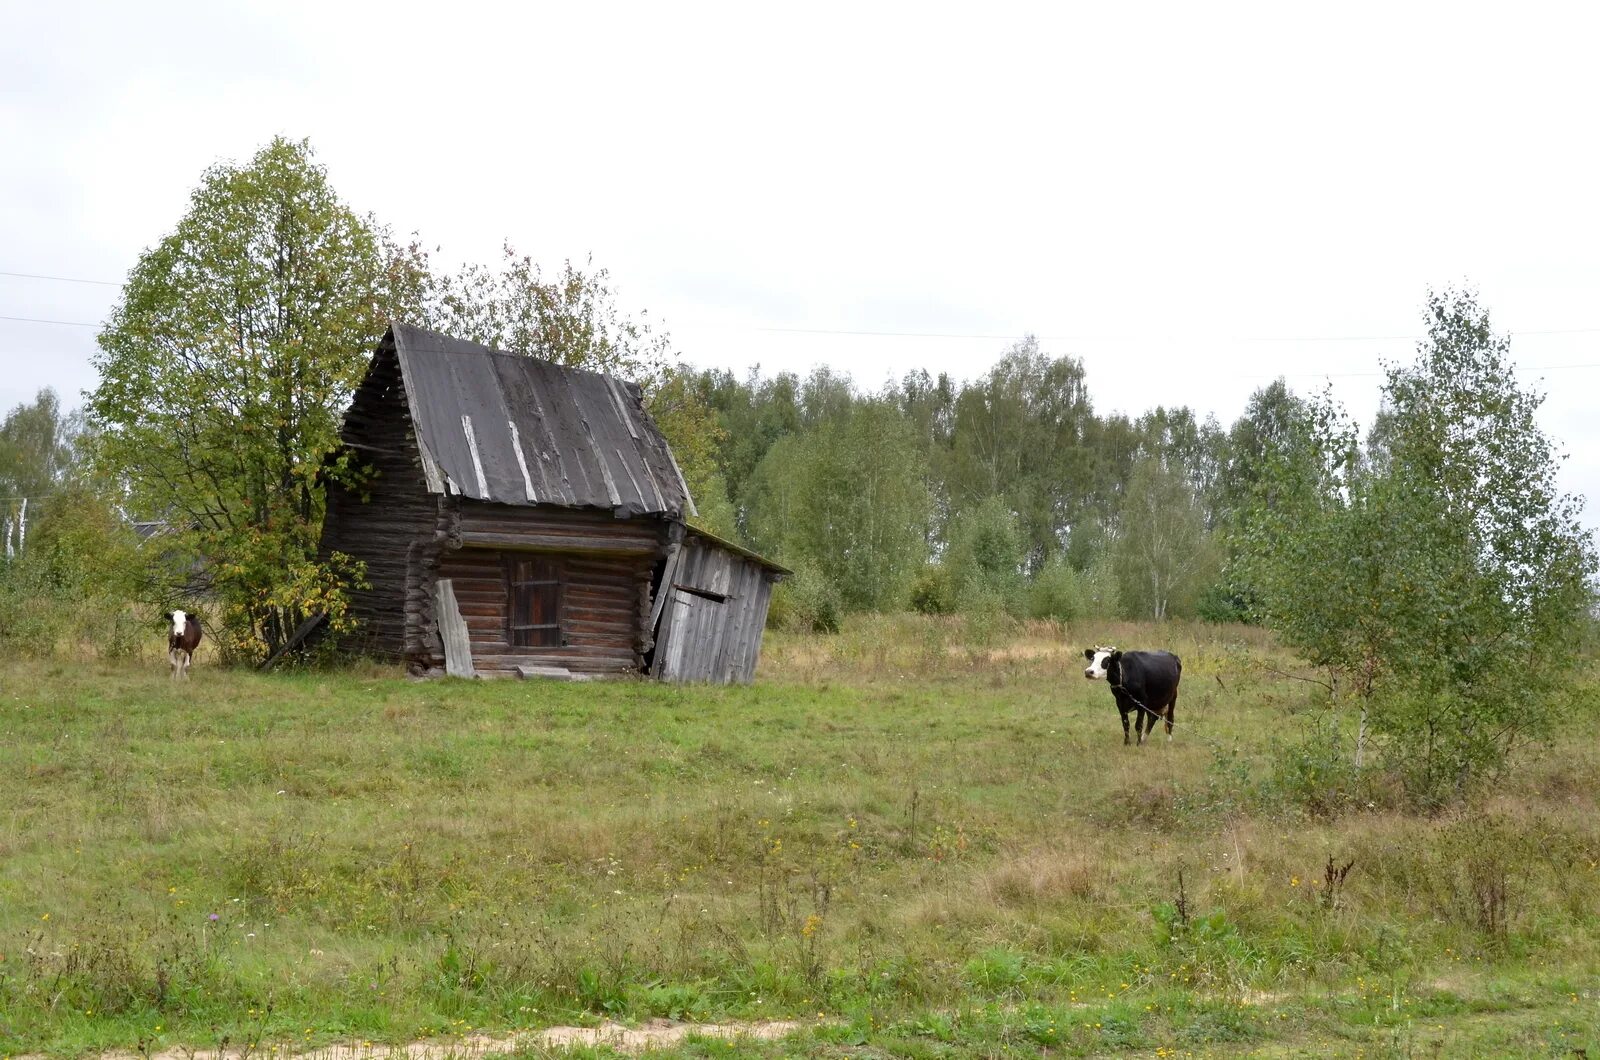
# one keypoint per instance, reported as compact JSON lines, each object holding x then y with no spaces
{"x":649,"y":1035}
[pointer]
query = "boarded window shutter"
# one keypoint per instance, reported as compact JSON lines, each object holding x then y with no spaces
{"x":535,"y":596}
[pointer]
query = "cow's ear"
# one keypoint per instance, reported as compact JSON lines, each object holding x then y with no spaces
{"x":1088,"y":653}
{"x":168,"y":617}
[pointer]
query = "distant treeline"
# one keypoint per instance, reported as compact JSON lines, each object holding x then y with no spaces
{"x":1006,"y":491}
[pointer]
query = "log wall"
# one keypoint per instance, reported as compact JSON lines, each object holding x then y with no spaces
{"x":603,"y":605}
{"x":547,"y":528}
{"x":396,"y":530}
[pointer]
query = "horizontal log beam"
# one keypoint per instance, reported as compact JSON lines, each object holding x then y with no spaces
{"x":521,"y":542}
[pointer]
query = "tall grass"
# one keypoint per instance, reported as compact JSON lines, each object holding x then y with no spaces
{"x":928,"y":832}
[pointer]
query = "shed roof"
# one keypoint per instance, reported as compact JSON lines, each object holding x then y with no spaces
{"x":513,"y":429}
{"x":738,"y":550}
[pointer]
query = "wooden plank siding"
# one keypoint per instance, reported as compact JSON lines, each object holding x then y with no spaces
{"x":716,"y":612}
{"x":453,"y":631}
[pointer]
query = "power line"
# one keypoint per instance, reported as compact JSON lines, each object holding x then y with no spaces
{"x":1120,"y":338}
{"x":1359,"y":375}
{"x":59,"y":279}
{"x":65,"y":323}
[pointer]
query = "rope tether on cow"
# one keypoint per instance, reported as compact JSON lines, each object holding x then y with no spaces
{"x":1159,"y":717}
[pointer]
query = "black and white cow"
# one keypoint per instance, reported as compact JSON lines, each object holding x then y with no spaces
{"x":1144,"y":682}
{"x":183,"y":637}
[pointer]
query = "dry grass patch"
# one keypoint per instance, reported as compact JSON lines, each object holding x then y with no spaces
{"x":1045,"y":877}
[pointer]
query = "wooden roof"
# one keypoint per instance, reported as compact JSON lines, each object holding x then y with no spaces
{"x":512,"y":429}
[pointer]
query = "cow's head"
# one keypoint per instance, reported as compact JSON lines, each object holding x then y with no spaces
{"x":179,"y":620}
{"x":1100,"y":662}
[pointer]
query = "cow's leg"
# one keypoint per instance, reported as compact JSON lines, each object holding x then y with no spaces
{"x":1142,"y":725}
{"x":188,"y":657}
{"x":172,"y":661}
{"x":1172,"y":709}
{"x":1124,"y":710}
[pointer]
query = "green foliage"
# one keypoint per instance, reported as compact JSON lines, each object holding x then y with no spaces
{"x":1022,"y":437}
{"x":1019,"y":433}
{"x":1063,"y":593}
{"x":38,"y":443}
{"x":69,"y":564}
{"x":226,"y":365}
{"x":848,"y":498}
{"x":570,"y":317}
{"x":1432,"y":568}
{"x":933,"y":590}
{"x":988,"y":615}
{"x":1272,"y":428}
{"x":1060,"y":593}
{"x":70,"y":588}
{"x":986,"y":552}
{"x":692,"y":431}
{"x":1163,"y":554}
{"x":1314,"y":774}
{"x":805,"y":602}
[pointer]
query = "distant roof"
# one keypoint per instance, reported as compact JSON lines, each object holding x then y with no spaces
{"x":513,"y":429}
{"x":148,"y":528}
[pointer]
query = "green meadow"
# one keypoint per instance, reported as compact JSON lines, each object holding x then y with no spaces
{"x":916,"y":838}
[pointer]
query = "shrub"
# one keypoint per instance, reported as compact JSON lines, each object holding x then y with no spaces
{"x":988,"y":615}
{"x":1059,"y":593}
{"x":932,"y":591}
{"x":1224,"y":601}
{"x":1315,"y":775}
{"x":986,"y":553}
{"x":74,"y":583}
{"x":805,"y":603}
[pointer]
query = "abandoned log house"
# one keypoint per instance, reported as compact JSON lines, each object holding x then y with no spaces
{"x":524,"y":518}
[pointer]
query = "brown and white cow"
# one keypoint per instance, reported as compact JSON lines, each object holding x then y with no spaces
{"x":183,"y":637}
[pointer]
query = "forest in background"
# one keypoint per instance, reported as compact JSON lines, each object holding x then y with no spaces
{"x":1005,"y":493}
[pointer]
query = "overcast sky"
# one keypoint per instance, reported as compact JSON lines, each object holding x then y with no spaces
{"x":1191,"y":198}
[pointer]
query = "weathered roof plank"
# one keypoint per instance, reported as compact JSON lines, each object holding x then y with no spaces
{"x":540,"y":432}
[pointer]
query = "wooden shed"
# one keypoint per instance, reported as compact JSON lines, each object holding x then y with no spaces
{"x":523,"y":518}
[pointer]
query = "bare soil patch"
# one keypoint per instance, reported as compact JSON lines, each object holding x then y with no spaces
{"x":652,"y":1034}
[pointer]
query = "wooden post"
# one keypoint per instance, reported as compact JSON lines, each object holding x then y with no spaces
{"x":453,"y":630}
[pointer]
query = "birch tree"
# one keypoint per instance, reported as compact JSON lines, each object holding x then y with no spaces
{"x":1163,"y":554}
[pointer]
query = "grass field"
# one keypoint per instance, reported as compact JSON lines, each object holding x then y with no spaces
{"x":917,"y":842}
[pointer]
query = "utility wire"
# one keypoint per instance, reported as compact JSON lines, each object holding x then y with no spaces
{"x":66,"y":323}
{"x":59,"y":279}
{"x":1124,"y":338}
